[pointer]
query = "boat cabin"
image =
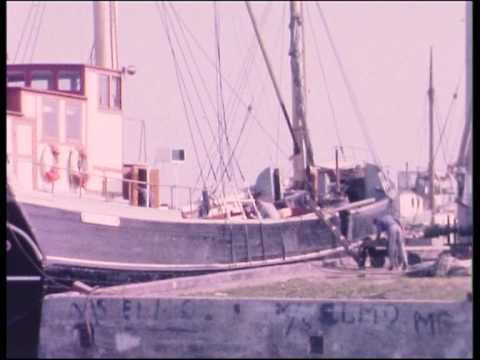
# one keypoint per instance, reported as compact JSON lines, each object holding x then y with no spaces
{"x":62,"y":121}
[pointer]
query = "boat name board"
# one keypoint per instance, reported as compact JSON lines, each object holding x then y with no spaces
{"x":100,"y":219}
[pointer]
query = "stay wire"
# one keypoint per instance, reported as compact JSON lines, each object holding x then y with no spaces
{"x":350,"y":91}
{"x":180,"y":83}
{"x":199,"y":72}
{"x":243,"y":102}
{"x":437,"y":123}
{"x":39,"y":27}
{"x":252,"y":52}
{"x":245,"y":73}
{"x":238,"y":140}
{"x":222,"y":123}
{"x":208,"y":94}
{"x":240,"y":84}
{"x":26,"y":48}
{"x":279,"y":113}
{"x":449,"y":112}
{"x":193,"y":83}
{"x":324,"y":76}
{"x":24,"y":28}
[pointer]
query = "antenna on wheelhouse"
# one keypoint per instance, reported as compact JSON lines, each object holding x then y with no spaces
{"x":105,"y":34}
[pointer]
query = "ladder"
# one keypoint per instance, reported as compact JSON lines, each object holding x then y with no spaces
{"x":335,"y":230}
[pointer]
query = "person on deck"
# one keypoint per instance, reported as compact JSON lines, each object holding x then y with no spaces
{"x":396,"y":241}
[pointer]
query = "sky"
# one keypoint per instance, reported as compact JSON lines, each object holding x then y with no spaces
{"x":384,"y":48}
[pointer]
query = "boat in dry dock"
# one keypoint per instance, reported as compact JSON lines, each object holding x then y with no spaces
{"x":101,"y":220}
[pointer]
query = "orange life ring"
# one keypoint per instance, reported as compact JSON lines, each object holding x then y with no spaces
{"x":78,"y":168}
{"x":51,"y":175}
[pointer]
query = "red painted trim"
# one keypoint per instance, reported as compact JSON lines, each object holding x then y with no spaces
{"x":14,"y":102}
{"x":54,"y":69}
{"x":43,"y":66}
{"x":52,"y":93}
{"x":14,"y":113}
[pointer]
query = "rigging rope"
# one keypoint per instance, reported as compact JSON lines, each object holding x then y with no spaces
{"x":452,"y":102}
{"x":350,"y":91}
{"x":180,"y":83}
{"x":192,"y":81}
{"x":237,"y":142}
{"x":437,"y":123}
{"x":90,"y":57}
{"x":232,"y":89}
{"x":243,"y":79}
{"x":34,"y":46}
{"x":248,"y":62}
{"x":31,"y":32}
{"x":324,"y":76}
{"x":25,"y":25}
{"x":199,"y":97}
{"x":222,"y":121}
{"x":282,"y":48}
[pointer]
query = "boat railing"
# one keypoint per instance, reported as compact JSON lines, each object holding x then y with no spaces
{"x":114,"y":188}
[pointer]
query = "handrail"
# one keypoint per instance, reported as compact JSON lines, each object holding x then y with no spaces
{"x":191,"y":189}
{"x":121,"y":180}
{"x":113,"y":178}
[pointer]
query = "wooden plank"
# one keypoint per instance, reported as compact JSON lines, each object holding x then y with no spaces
{"x":133,"y":188}
{"x":154,"y":180}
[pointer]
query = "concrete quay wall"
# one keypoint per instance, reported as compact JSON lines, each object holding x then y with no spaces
{"x":77,"y":326}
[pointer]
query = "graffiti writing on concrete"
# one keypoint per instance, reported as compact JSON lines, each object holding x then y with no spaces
{"x":361,"y":314}
{"x":433,"y":323}
{"x":302,"y":325}
{"x":440,"y":322}
{"x":333,"y":314}
{"x":131,"y":310}
{"x":91,"y":311}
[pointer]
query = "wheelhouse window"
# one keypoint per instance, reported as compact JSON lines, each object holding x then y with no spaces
{"x":69,"y":80}
{"x":73,"y":121}
{"x":116,"y":93}
{"x":103,"y":93}
{"x":16,"y":78}
{"x":42,"y":80}
{"x":50,"y":118}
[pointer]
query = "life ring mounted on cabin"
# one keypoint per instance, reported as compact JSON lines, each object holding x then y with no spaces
{"x":78,"y":168}
{"x":51,"y":174}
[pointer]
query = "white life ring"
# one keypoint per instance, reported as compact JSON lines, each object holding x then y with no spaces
{"x":49,"y":163}
{"x":78,"y":168}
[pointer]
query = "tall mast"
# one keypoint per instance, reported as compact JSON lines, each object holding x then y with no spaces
{"x":297,"y":62}
{"x":465,"y":156}
{"x":431,"y":161}
{"x":105,"y":32}
{"x":465,"y":139}
{"x":296,"y":147}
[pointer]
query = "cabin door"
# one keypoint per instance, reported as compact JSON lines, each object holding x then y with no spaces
{"x":22,"y":152}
